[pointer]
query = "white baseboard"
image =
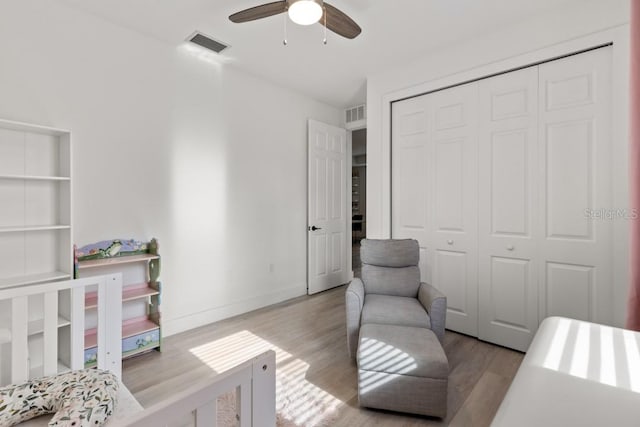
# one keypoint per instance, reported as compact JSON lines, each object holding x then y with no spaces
{"x":175,"y":326}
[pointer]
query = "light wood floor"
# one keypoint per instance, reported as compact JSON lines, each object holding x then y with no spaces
{"x":314,"y":373}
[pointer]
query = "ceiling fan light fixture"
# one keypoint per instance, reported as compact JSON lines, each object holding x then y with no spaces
{"x":305,"y":12}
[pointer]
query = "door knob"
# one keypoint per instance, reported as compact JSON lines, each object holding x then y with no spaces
{"x":314,"y":228}
{"x":450,"y":242}
{"x":510,"y":247}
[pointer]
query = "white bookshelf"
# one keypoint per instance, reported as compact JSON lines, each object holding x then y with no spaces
{"x":35,"y":223}
{"x":35,"y":199}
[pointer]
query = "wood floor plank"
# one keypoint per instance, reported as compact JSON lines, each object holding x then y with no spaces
{"x":469,"y":360}
{"x":506,"y":362}
{"x":481,"y":406}
{"x":316,"y":378}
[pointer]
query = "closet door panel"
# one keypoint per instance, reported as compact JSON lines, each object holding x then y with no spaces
{"x":507,"y":157}
{"x":575,"y":187}
{"x":569,"y":179}
{"x":454,"y":170}
{"x":510,"y":182}
{"x":450,"y":180}
{"x":412,"y":214}
{"x":411,"y":182}
{"x":451,"y":271}
{"x":511,"y":283}
{"x":569,"y":290}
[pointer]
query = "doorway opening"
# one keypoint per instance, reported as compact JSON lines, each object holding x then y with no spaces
{"x":358,"y":196}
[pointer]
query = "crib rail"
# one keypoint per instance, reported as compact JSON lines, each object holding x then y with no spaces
{"x":255,"y":385}
{"x":16,"y":334}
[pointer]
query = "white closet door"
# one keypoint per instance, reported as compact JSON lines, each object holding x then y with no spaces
{"x":507,"y":158}
{"x":434,"y":194}
{"x":575,"y":248}
{"x":454,"y":166}
{"x":412,"y":183}
{"x":506,"y":184}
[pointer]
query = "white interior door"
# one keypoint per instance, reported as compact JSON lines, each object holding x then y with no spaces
{"x":507,"y":246}
{"x":327,"y":210}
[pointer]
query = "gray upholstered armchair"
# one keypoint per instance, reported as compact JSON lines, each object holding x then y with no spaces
{"x":390,"y":291}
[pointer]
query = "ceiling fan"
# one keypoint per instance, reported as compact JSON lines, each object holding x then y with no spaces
{"x":303,"y":12}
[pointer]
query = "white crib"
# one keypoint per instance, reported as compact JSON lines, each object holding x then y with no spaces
{"x":54,"y":313}
{"x":255,"y":384}
{"x":43,"y":325}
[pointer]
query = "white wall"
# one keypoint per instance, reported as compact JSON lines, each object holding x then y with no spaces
{"x":169,"y":144}
{"x":501,"y":50}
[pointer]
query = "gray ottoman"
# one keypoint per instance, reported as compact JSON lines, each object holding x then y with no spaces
{"x":402,"y":368}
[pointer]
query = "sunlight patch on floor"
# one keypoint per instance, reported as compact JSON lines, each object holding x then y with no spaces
{"x":297,"y":400}
{"x":225,"y":353}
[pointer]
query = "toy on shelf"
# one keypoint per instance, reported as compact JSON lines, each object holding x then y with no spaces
{"x":113,"y":248}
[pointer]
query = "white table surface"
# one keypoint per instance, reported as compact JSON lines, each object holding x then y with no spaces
{"x":576,"y":374}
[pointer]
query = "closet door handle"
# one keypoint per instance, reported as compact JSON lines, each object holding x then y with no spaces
{"x":510,"y":247}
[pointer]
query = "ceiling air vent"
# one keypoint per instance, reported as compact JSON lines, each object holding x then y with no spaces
{"x":207,"y":42}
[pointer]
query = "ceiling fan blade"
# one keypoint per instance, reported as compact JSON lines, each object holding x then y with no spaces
{"x":258,"y":12}
{"x":338,"y":22}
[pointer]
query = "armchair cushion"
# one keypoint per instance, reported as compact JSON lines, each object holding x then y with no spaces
{"x":390,"y":267}
{"x":390,"y":253}
{"x":395,"y":281}
{"x":392,"y":310}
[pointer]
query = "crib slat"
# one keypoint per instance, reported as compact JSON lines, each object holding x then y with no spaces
{"x":263,"y":406}
{"x":102,"y":325}
{"x":20,"y":340}
{"x":112,"y":330}
{"x":206,"y":415}
{"x":244,"y":403}
{"x":77,"y":328}
{"x":51,"y":333}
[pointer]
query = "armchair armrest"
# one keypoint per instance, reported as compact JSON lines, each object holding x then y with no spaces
{"x":435,"y":303}
{"x":354,"y":299}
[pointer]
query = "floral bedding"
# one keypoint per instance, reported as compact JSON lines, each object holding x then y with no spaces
{"x":80,"y":398}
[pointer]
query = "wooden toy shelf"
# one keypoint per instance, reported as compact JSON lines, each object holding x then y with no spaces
{"x":141,"y":292}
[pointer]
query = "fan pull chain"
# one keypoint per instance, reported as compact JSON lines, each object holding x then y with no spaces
{"x":284,"y":40}
{"x":324,"y":41}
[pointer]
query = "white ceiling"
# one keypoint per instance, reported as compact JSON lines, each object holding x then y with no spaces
{"x":393,"y":32}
